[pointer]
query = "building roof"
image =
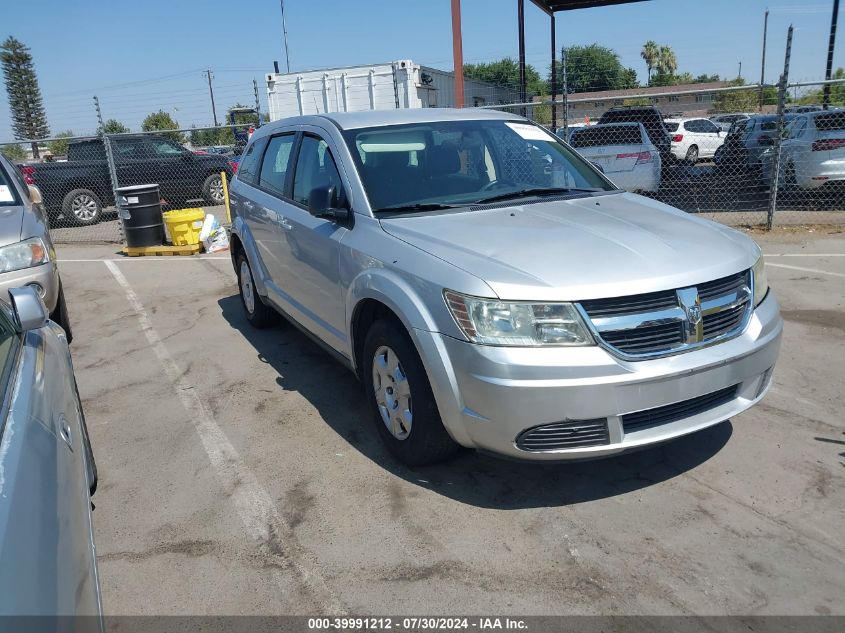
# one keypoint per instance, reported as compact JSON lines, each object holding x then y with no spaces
{"x":652,"y":91}
{"x":553,"y":6}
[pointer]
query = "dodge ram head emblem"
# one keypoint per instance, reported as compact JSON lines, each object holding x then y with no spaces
{"x":690,"y":303}
{"x":694,"y":314}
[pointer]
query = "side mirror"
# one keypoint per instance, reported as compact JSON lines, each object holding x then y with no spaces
{"x":323,"y":203}
{"x":34,"y":194}
{"x":29,"y":309}
{"x":597,"y":166}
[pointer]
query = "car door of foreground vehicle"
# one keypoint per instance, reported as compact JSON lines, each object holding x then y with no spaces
{"x":312,"y":244}
{"x":47,"y":564}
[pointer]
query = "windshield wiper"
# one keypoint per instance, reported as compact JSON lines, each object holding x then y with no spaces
{"x":424,"y":206}
{"x":536,"y":191}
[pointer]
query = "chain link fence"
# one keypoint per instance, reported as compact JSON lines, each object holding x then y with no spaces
{"x":741,"y":155}
{"x":80,"y":177}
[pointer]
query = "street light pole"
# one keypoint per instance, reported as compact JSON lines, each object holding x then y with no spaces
{"x":285,"y":33}
{"x":829,"y":68}
{"x":763,"y":68}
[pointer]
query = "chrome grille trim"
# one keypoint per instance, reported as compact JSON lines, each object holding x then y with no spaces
{"x":564,"y":435}
{"x":669,"y":322}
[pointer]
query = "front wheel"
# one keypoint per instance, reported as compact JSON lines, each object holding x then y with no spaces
{"x":399,"y":393}
{"x":258,"y":314}
{"x":212,"y":190}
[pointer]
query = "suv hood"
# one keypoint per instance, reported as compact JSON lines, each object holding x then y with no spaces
{"x":587,"y":248}
{"x":11,"y":223}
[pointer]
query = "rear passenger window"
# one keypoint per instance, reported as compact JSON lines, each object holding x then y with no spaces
{"x":274,"y":169}
{"x":251,"y":159}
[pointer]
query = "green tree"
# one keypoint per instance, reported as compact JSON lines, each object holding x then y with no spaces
{"x":505,"y":73}
{"x":59,"y":146}
{"x":112,"y":126}
{"x":650,"y":53}
{"x":13,"y":152}
{"x":162,"y":120}
{"x":743,"y":100}
{"x":29,"y":121}
{"x":666,"y":67}
{"x":837,"y":92}
{"x":705,"y":79}
{"x":595,"y":67}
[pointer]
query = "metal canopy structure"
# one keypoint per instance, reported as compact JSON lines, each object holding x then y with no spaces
{"x":550,"y":7}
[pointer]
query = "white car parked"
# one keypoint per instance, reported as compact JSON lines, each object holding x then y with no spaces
{"x":694,"y":138}
{"x":623,"y":152}
{"x":812,"y":151}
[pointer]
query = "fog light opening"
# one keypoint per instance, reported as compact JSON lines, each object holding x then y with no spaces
{"x":38,"y":288}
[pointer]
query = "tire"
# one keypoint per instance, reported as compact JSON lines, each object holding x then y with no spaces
{"x":60,"y":314}
{"x":692,"y":154}
{"x":212,"y":190}
{"x":259,"y":315}
{"x":82,"y":207}
{"x":399,"y":395}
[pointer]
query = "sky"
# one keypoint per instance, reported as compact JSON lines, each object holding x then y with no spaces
{"x":138,"y":57}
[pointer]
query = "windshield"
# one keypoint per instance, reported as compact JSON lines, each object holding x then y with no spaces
{"x":446,"y":164}
{"x":606,"y":135}
{"x":7,"y":190}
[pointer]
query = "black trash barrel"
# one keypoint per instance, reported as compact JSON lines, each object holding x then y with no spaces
{"x":139,"y":208}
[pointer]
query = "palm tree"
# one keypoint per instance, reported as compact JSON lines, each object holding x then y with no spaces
{"x":667,"y":62}
{"x":651,"y":54}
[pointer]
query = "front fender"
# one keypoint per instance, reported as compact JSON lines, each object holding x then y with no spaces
{"x":259,"y":272}
{"x":411,"y":304}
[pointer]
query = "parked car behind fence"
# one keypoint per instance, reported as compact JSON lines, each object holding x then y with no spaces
{"x":624,"y":153}
{"x":694,"y":138}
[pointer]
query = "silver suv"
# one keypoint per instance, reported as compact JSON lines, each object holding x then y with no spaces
{"x":492,"y":289}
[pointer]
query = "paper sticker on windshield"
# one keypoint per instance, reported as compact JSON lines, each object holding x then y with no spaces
{"x":530,"y":132}
{"x":6,"y":194}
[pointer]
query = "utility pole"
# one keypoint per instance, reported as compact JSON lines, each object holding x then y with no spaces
{"x":739,"y":75}
{"x":829,"y":68}
{"x":211,"y":93}
{"x":763,"y":68}
{"x":457,"y":54}
{"x":285,"y":33}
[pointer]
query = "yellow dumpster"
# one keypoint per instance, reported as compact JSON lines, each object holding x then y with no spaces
{"x":183,"y":225}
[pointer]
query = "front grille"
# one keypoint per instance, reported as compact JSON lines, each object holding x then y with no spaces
{"x":646,"y":339}
{"x":626,"y":305}
{"x":677,"y":411}
{"x":560,"y":435}
{"x":657,"y":323}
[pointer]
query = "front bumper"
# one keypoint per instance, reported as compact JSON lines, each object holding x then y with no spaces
{"x":45,"y":275}
{"x":487,"y":396}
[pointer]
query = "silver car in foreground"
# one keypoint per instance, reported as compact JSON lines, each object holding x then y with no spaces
{"x":47,"y":475}
{"x":494,"y":290}
{"x":27,"y":256}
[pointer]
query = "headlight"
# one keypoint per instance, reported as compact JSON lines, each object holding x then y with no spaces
{"x":761,"y":284}
{"x":493,"y":322}
{"x":24,"y":254}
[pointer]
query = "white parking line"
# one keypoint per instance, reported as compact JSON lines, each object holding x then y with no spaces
{"x":806,"y":270}
{"x":263,"y":521}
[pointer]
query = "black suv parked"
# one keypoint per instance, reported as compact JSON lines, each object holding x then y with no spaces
{"x":652,"y":121}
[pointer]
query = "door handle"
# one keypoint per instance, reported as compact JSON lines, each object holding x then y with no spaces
{"x":64,"y":431}
{"x":283,"y":222}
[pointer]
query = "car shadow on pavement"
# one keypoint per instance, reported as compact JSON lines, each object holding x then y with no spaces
{"x":470,"y":477}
